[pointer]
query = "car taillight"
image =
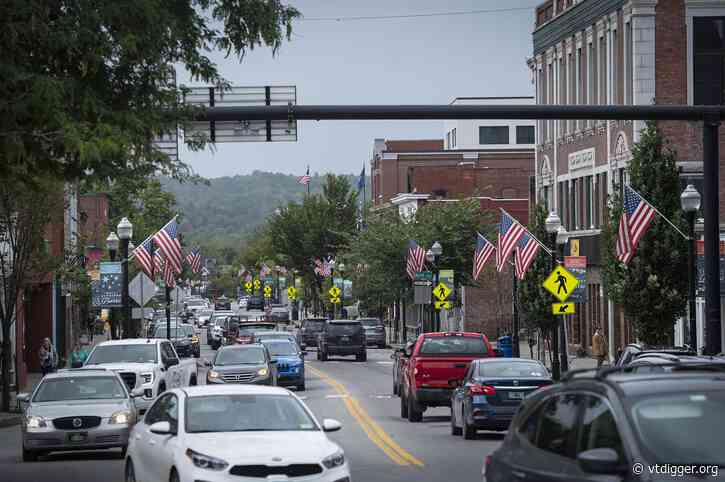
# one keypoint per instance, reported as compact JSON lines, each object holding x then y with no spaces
{"x":487,"y":461}
{"x":483,"y":390}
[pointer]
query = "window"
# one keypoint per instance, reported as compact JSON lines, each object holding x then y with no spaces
{"x":591,"y":78}
{"x":615,"y":70}
{"x":524,"y":134}
{"x":452,"y":345}
{"x":453,"y":137}
{"x":448,"y":140}
{"x":598,"y":428}
{"x":531,"y":424}
{"x":557,"y":427}
{"x":709,"y":60}
{"x":588,"y":222}
{"x":493,"y":135}
{"x":166,"y":409}
{"x":579,"y":84}
{"x":574,"y":211}
{"x":550,"y":100}
{"x":628,"y":65}
{"x":167,"y":352}
{"x":602,"y":70}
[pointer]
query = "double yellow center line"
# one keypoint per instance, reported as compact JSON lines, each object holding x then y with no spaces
{"x":375,"y":432}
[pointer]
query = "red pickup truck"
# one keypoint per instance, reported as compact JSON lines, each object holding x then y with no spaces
{"x":436,"y":364}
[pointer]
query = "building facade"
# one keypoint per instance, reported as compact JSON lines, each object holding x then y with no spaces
{"x":626,"y":52}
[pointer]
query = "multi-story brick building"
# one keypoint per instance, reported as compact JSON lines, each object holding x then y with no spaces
{"x":635,"y":52}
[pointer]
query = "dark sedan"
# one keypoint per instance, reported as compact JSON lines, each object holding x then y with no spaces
{"x":250,"y":364}
{"x":309,"y":329}
{"x":492,"y":391}
{"x":184,"y":338}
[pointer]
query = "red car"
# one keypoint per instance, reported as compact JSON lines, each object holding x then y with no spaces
{"x":436,"y":365}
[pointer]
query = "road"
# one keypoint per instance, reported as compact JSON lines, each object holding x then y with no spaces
{"x":380,"y":446}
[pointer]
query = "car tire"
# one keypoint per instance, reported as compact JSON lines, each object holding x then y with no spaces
{"x":382,"y":345}
{"x":364,"y":356}
{"x":174,"y":476}
{"x":454,"y":429}
{"x":30,"y":455}
{"x":193,"y":382}
{"x":129,"y":472}
{"x":124,"y":450}
{"x":403,"y":407}
{"x":414,"y":415}
{"x":301,"y":387}
{"x":469,"y":433}
{"x":396,"y":390}
{"x":197,"y":355}
{"x":318,"y":355}
{"x":162,"y":389}
{"x":323,"y":356}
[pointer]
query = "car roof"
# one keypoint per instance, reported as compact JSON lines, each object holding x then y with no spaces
{"x":131,"y":341}
{"x":343,"y":322}
{"x":277,"y":333}
{"x":454,"y":333}
{"x":80,"y":372}
{"x":241,"y":347}
{"x":233,"y":389}
{"x":667,"y":358}
{"x":506,"y":360}
{"x":634,"y":385}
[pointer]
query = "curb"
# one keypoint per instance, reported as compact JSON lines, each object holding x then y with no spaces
{"x":10,"y":421}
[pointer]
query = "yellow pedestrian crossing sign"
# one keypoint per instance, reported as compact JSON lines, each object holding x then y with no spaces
{"x":562,"y":308}
{"x":334,"y":292}
{"x":561,"y":283}
{"x":268,"y":291}
{"x":292,"y":292}
{"x":257,"y":284}
{"x":248,"y":286}
{"x":443,"y":305}
{"x":442,"y":291}
{"x":335,"y":300}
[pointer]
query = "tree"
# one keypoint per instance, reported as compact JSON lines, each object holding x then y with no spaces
{"x":88,"y":84}
{"x":24,"y":215}
{"x":657,"y":272}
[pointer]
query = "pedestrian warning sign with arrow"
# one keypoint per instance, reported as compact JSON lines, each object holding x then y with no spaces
{"x":562,"y":308}
{"x":443,"y":305}
{"x":267,"y":291}
{"x":257,"y":284}
{"x":334,"y":292}
{"x":292,"y":292}
{"x":561,"y":283}
{"x":442,"y":291}
{"x":335,"y":300}
{"x":248,"y":286}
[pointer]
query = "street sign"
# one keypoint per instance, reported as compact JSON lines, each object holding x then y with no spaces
{"x":424,"y":276}
{"x":292,"y":292}
{"x":248,"y":285}
{"x":267,"y":291}
{"x":562,"y":308}
{"x":334,"y":292}
{"x":444,"y":305}
{"x":257,"y":284}
{"x":141,"y":289}
{"x":335,"y":301}
{"x":560,"y":283}
{"x":106,"y":293}
{"x":422,"y":293}
{"x":442,"y":291}
{"x":577,"y":265}
{"x":574,"y":247}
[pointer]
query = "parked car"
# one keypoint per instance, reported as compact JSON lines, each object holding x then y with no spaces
{"x":491,"y":392}
{"x":222,"y":303}
{"x":633,"y":350}
{"x":79,"y":409}
{"x":150,"y":364}
{"x":202,"y":316}
{"x":290,"y":362}
{"x":183,"y":337}
{"x":255,"y":303}
{"x":599,"y":424}
{"x":233,"y":432}
{"x":280,"y":314}
{"x":374,"y":332}
{"x":400,"y":359}
{"x":261,"y":336}
{"x":243,"y":364}
{"x":309,"y":329}
{"x":342,"y":338}
{"x":436,"y":365}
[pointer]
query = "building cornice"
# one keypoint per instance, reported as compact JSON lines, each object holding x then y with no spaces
{"x":643,"y":7}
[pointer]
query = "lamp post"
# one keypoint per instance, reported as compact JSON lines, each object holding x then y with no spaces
{"x":125,"y":231}
{"x":341,"y":269}
{"x":690,"y":200}
{"x":432,"y":255}
{"x":332,"y":264}
{"x":112,"y":245}
{"x":562,"y":237}
{"x":552,"y":225}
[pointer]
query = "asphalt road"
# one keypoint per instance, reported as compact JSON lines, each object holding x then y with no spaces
{"x":380,"y":446}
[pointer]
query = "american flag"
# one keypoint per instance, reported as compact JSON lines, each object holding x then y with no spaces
{"x":169,"y":276}
{"x":322,"y":268}
{"x":264,"y":270}
{"x":416,"y":259}
{"x":509,"y":234}
{"x":526,"y":251}
{"x":168,"y":242}
{"x":636,"y":218}
{"x":249,"y":278}
{"x":194,"y":260}
{"x":144,"y":255}
{"x":305,"y":180}
{"x":484,"y":250}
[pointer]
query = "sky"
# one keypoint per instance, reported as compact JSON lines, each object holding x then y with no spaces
{"x":423,"y":60}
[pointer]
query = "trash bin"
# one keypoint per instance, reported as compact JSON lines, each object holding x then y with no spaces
{"x":505,"y":344}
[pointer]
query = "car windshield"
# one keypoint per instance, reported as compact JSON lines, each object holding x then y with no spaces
{"x":145,"y":353}
{"x":281,"y":348}
{"x":510,"y":369}
{"x":314,"y":324}
{"x":252,"y":355}
{"x":176,"y":331}
{"x":257,"y":327}
{"x":273,"y":336}
{"x":343,"y":328}
{"x":79,"y":388}
{"x":683,"y":428}
{"x":453,"y":345}
{"x":371,"y":322}
{"x":246,"y":413}
{"x":204,"y":313}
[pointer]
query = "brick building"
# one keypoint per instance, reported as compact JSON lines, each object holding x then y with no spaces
{"x":635,"y":52}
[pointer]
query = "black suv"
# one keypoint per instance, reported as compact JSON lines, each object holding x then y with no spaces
{"x":309,"y":329}
{"x":342,"y":337}
{"x":610,"y":424}
{"x":634,"y":350}
{"x":255,"y":303}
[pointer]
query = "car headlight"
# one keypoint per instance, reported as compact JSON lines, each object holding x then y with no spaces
{"x":147,"y":377}
{"x":213,"y":374}
{"x":263,"y":372}
{"x":206,"y":462}
{"x":36,"y":422}
{"x":335,"y":460}
{"x":121,"y":418}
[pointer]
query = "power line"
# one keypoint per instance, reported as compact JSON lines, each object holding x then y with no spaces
{"x":414,"y":15}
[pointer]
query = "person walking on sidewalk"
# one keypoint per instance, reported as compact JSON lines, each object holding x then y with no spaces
{"x":599,"y":347}
{"x":48,"y":357}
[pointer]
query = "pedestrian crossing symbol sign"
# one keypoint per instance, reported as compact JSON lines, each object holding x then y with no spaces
{"x":292,"y":292}
{"x":334,"y":292}
{"x":561,"y":283}
{"x":248,"y":286}
{"x":442,"y":291}
{"x":267,"y":291}
{"x":257,"y":284}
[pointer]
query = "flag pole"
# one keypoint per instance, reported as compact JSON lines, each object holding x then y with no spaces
{"x":530,"y":233}
{"x":309,"y":180}
{"x":661,"y":215}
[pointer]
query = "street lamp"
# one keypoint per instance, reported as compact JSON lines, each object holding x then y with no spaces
{"x":690,"y":200}
{"x":552,"y":225}
{"x":432,"y":255}
{"x":125,"y":232}
{"x":332,"y":264}
{"x":562,"y":237}
{"x":341,"y":269}
{"x":112,"y":245}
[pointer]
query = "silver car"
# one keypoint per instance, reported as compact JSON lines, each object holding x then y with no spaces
{"x":82,"y":409}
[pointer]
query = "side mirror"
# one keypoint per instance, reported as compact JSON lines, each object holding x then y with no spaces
{"x":273,"y":362}
{"x":161,"y":428}
{"x":331,"y":425}
{"x":599,"y":461}
{"x":137,"y":392}
{"x":23,"y":398}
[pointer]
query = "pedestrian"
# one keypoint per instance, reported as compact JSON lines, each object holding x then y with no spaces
{"x":532,"y":344}
{"x":48,"y":357}
{"x":107,"y":330}
{"x":78,"y":356}
{"x":599,"y":347}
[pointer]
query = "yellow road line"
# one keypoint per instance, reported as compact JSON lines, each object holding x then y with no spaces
{"x":372,"y":429}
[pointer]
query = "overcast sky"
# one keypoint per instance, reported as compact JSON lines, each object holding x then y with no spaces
{"x":427,"y":60}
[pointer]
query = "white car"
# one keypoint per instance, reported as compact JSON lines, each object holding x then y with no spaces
{"x":222,"y":433}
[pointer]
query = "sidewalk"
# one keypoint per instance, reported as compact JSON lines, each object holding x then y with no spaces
{"x":8,"y":419}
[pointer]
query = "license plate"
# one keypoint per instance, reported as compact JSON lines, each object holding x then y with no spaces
{"x":479,"y":399}
{"x":77,"y":437}
{"x":517,"y":395}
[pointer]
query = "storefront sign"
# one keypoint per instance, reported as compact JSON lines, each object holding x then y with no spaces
{"x":106,"y":292}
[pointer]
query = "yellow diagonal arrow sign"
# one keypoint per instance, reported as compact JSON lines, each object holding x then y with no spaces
{"x":562,"y":308}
